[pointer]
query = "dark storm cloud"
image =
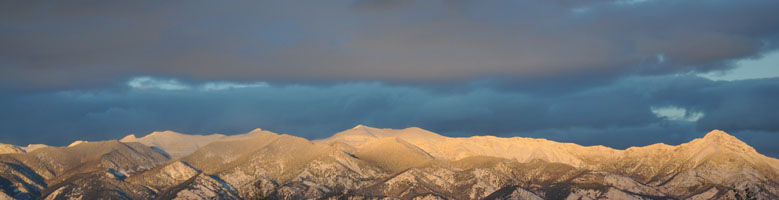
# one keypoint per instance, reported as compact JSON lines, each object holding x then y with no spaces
{"x":619,"y":114}
{"x":748,"y":105}
{"x":77,"y":44}
{"x":590,"y":72}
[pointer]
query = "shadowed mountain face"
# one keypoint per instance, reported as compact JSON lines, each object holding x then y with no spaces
{"x":370,"y":163}
{"x":85,"y":169}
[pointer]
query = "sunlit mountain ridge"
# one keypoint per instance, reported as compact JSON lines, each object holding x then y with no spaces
{"x":366,"y":162}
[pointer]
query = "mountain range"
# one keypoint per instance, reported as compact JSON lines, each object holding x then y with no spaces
{"x":373,"y":163}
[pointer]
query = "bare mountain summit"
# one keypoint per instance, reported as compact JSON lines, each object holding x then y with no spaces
{"x":179,"y":145}
{"x":373,"y":163}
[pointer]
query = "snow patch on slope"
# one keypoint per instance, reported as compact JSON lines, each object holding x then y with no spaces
{"x":178,"y":145}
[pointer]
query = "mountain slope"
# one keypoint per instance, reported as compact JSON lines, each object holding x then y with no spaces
{"x":18,"y":180}
{"x":178,"y":145}
{"x":393,"y":154}
{"x":66,"y":171}
{"x":521,"y":149}
{"x":369,"y":163}
{"x":292,"y":166}
{"x":710,"y":164}
{"x":7,"y":148}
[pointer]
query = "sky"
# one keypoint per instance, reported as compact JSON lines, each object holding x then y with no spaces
{"x":618,"y":73}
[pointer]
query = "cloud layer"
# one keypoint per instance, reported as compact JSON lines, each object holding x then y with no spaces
{"x":623,"y":109}
{"x":614,"y":72}
{"x":92,"y":43}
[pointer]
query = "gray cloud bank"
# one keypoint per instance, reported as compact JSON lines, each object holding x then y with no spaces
{"x":606,"y":72}
{"x":619,"y":114}
{"x":78,"y":44}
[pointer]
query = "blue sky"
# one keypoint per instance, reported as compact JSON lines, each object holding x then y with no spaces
{"x":616,"y":73}
{"x":764,"y":66}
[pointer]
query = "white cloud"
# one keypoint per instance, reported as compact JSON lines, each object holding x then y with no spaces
{"x":676,"y":113}
{"x":152,"y":83}
{"x":210,"y":86}
{"x":766,"y":66}
{"x":146,"y":83}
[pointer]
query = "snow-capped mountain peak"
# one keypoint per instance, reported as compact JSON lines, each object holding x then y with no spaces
{"x":366,"y":162}
{"x":722,"y":142}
